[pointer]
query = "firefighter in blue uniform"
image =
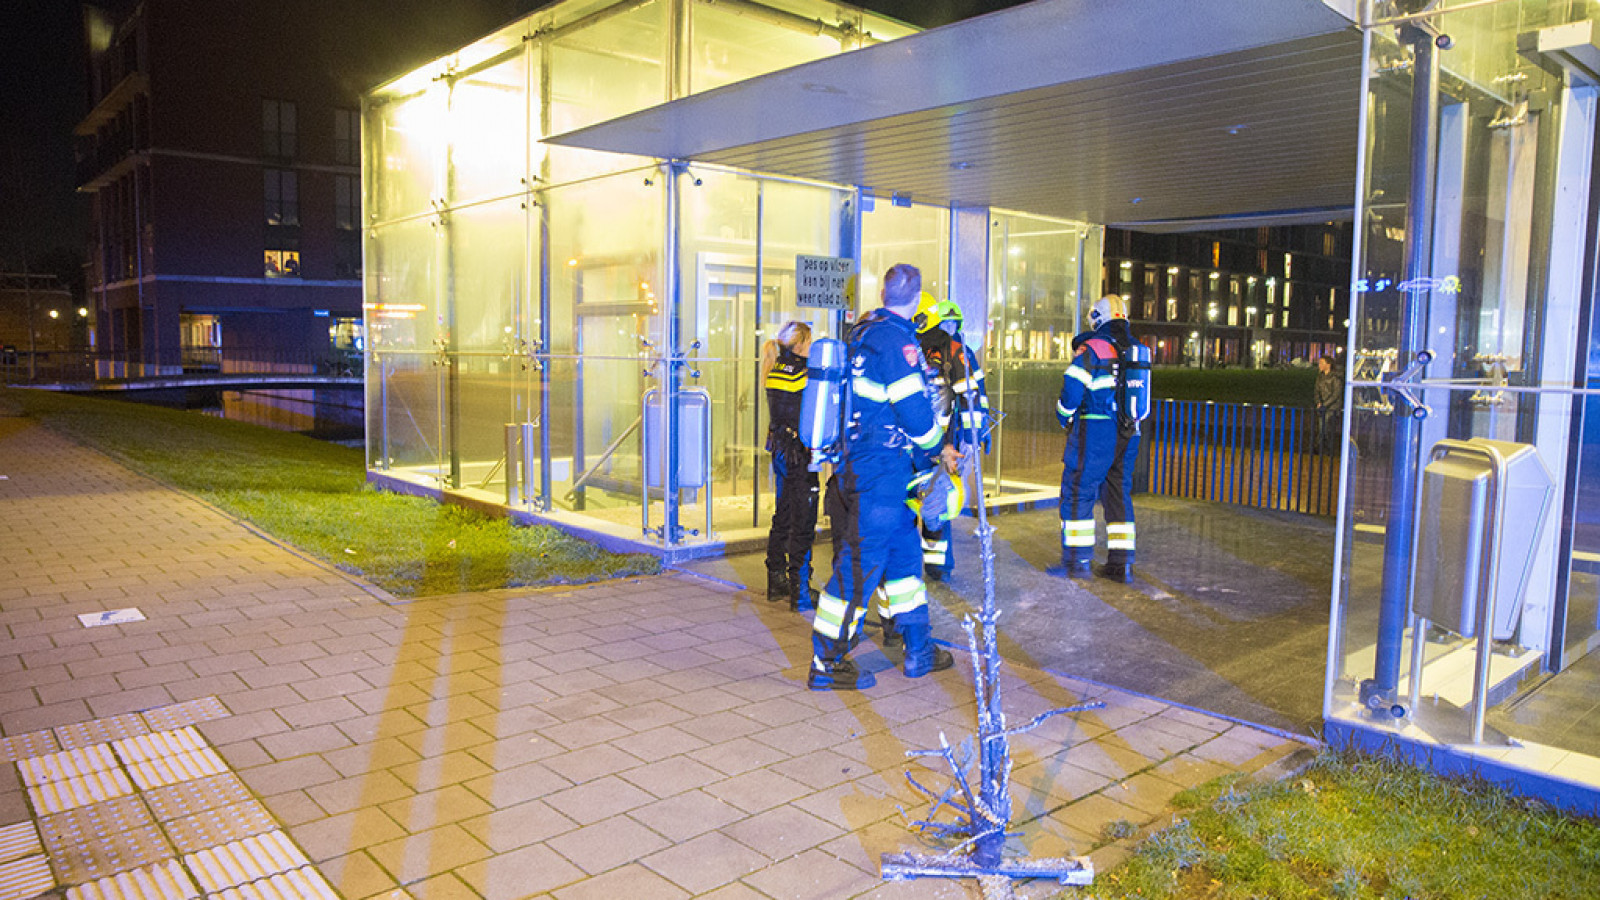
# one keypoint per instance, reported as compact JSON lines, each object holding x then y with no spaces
{"x":962,"y":404}
{"x":1101,"y":450}
{"x":875,"y":538}
{"x":794,"y":512}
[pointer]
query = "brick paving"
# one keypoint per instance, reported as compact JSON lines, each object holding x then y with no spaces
{"x":644,"y":738}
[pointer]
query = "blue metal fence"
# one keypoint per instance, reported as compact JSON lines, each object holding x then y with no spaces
{"x":1269,"y":457}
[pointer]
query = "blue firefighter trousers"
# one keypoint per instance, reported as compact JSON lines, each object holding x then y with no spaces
{"x":1098,"y":464}
{"x":875,"y":544}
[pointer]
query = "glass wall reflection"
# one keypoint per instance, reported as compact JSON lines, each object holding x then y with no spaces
{"x":1482,"y":308}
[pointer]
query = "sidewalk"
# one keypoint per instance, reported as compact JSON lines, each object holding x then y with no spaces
{"x":647,"y":738}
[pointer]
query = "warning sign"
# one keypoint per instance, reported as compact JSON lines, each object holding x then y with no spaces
{"x":823,"y":282}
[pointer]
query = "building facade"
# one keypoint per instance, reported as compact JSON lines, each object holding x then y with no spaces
{"x":221,"y":154}
{"x":1254,"y":298}
{"x":575,"y":335}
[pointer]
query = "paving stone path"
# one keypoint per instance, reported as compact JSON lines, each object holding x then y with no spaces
{"x":644,"y":738}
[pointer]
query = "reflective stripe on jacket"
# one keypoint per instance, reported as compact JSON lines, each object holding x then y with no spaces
{"x":1090,"y":385}
{"x":890,"y":409}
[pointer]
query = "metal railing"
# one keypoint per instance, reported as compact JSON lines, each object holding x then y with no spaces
{"x":1268,"y":457}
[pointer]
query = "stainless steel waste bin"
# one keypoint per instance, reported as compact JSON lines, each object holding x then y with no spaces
{"x":1481,"y":513}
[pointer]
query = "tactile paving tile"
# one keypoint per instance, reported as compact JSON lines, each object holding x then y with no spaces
{"x":25,"y":878}
{"x":162,"y":881}
{"x":146,"y":747}
{"x":99,"y":819}
{"x":219,"y":826}
{"x":22,"y":746}
{"x":187,"y":798}
{"x":19,"y":840}
{"x":164,"y":770}
{"x":60,"y":766}
{"x":304,"y":883}
{"x":103,"y":839}
{"x":189,"y":712}
{"x":100,"y":731}
{"x":242,"y":862}
{"x":95,"y":787}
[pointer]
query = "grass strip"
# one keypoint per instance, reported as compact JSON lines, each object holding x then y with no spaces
{"x":1357,"y":826}
{"x":314,"y":495}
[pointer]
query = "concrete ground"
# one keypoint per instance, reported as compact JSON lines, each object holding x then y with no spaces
{"x":271,"y":724}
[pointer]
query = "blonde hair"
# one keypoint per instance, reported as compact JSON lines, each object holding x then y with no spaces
{"x":794,"y":335}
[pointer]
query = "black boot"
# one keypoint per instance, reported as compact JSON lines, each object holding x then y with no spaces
{"x":1077,"y":568}
{"x":891,"y":635}
{"x":777,"y":585}
{"x":922,"y":654}
{"x":801,"y":597}
{"x":841,"y":675}
{"x":1119,"y":572}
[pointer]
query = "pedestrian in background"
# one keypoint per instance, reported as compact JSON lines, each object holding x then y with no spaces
{"x":1328,"y":398}
{"x":1101,"y":449}
{"x":794,"y":485}
{"x":875,"y":535}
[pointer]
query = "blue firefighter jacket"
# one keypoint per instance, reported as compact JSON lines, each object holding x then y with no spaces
{"x":890,"y":411}
{"x":1089,"y":388}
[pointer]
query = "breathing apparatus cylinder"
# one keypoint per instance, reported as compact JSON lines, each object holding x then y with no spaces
{"x":821,"y":402}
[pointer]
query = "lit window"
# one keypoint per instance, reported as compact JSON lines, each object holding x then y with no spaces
{"x":283,"y":264}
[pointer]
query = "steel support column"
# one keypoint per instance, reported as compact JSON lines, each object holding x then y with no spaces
{"x":1380,"y":692}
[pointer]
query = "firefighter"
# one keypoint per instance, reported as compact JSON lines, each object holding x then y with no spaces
{"x":875,"y":539}
{"x":794,"y":512}
{"x":1101,"y":448}
{"x":962,"y":405}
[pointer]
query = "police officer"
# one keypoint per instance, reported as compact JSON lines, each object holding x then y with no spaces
{"x":794,"y":513}
{"x":1101,"y":450}
{"x":962,"y":404}
{"x":875,"y":540}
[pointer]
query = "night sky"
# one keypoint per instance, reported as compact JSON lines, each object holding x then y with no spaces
{"x":43,"y":221}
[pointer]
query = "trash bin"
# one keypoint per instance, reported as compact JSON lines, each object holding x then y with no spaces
{"x":1481,"y":514}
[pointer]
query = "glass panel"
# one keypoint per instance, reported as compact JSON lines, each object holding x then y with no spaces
{"x":916,"y":234}
{"x":717,"y":268}
{"x":730,"y":45}
{"x":489,"y":130}
{"x":405,"y":145}
{"x":613,"y":67}
{"x":488,"y":285}
{"x":731,"y":318}
{"x":1491,"y":298}
{"x":1033,"y":314}
{"x":605,"y":267}
{"x":404,"y":426}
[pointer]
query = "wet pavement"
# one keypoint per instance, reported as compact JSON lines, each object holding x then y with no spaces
{"x":264,"y":722}
{"x":1228,"y":613}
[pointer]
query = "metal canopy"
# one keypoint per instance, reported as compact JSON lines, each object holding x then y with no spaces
{"x":1152,"y":114}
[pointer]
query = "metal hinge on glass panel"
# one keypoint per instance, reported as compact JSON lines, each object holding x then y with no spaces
{"x":1379,"y":366}
{"x":518,"y":348}
{"x":646,"y":350}
{"x":532,"y":350}
{"x":1498,"y":375}
{"x":1373,"y":365}
{"x":441,"y":349}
